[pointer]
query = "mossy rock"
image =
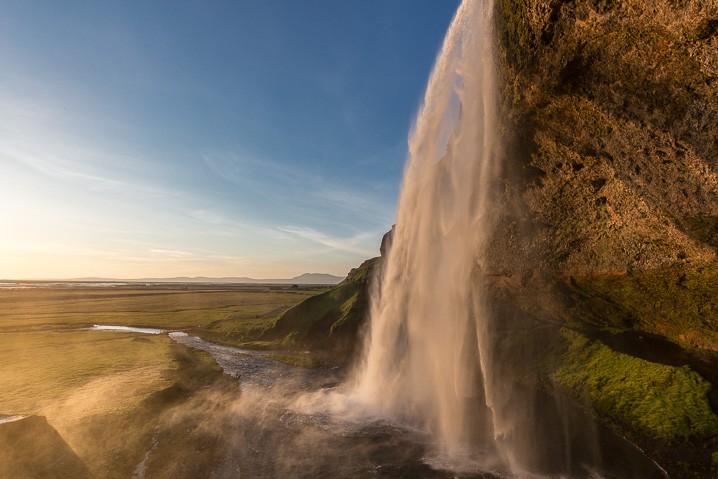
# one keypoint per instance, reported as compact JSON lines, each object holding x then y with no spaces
{"x":679,"y":302}
{"x":329,"y":321}
{"x":652,"y":399}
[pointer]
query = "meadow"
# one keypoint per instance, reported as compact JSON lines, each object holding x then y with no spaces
{"x":103,"y":390}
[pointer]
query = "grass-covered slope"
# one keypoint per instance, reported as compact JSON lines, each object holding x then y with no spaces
{"x":327,"y":321}
{"x":94,"y":399}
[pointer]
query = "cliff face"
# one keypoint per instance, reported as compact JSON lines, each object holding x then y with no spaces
{"x":610,"y":227}
{"x":611,"y":114}
{"x":613,"y":110}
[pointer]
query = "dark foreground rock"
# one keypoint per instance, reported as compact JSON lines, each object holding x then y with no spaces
{"x":30,"y":448}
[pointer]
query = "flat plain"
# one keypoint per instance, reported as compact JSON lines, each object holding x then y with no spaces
{"x":104,"y":391}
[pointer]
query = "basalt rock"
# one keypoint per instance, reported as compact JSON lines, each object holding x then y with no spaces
{"x":611,"y":116}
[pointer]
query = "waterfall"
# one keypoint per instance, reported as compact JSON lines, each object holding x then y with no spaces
{"x":449,"y":353}
{"x":427,"y":359}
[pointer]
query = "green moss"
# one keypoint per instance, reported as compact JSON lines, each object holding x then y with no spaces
{"x":714,"y":465}
{"x":359,"y":275}
{"x":347,"y":309}
{"x":660,"y":401}
{"x":679,"y":302}
{"x":296,"y":324}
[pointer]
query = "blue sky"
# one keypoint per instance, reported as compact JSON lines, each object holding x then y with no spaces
{"x":261,"y":138}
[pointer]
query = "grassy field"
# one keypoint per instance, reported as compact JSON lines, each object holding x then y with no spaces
{"x":43,"y":371}
{"x":101,"y":389}
{"x":45,"y":354}
{"x":170,"y":307}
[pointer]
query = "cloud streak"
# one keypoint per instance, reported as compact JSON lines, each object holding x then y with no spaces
{"x":96,"y":170}
{"x":297,"y":188}
{"x":349,"y":245}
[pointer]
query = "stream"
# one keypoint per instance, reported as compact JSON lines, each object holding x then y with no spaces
{"x":289,"y":421}
{"x":295,"y":422}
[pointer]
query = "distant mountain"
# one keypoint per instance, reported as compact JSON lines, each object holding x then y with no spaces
{"x":315,"y":278}
{"x":306,"y":278}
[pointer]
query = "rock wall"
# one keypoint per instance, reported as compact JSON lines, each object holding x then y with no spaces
{"x":612,"y":118}
{"x":610,"y":222}
{"x":611,"y":121}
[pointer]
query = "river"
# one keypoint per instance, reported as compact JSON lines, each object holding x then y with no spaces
{"x":296,"y":422}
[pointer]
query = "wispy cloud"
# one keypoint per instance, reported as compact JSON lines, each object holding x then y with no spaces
{"x":220,"y":225}
{"x":296,"y":187}
{"x":352,"y":245}
{"x":54,"y":141}
{"x":55,"y":248}
{"x":97,"y":170}
{"x":207,"y":216}
{"x":172,"y":253}
{"x":243,"y":169}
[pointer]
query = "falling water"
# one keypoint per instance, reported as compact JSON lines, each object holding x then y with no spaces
{"x":426,"y":359}
{"x":441,"y":355}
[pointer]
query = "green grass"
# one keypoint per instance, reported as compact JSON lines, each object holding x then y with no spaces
{"x":327,"y":321}
{"x":237,"y":317}
{"x":328,"y":309}
{"x":660,"y":401}
{"x":44,"y":358}
{"x":91,"y":386}
{"x":40,"y":370}
{"x":172,"y":308}
{"x":245,"y":333}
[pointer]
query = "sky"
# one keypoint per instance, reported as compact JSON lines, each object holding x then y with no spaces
{"x":260,"y":138}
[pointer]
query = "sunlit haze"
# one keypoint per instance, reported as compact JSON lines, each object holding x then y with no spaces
{"x":252,"y":138}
